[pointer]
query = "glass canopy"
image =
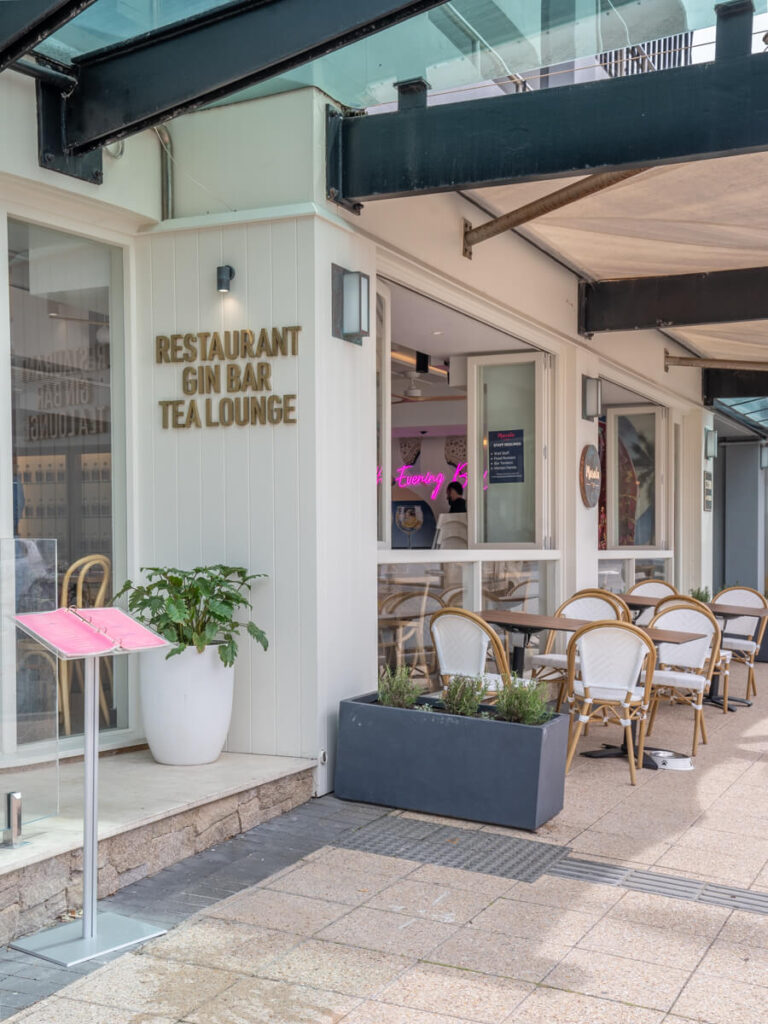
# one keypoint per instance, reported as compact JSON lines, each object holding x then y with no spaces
{"x":752,"y":411}
{"x":459,"y":44}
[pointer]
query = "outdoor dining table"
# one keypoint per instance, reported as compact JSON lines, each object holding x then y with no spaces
{"x":724,"y":611}
{"x":528,"y":623}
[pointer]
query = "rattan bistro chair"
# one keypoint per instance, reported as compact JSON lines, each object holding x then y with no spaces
{"x":743,"y":636}
{"x":610,"y":675}
{"x":723,"y":664}
{"x":684,"y":671}
{"x":592,"y":604}
{"x":461,"y":640}
{"x":89,"y":573}
{"x":651,"y":588}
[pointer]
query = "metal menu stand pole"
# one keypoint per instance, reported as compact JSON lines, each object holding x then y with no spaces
{"x":98,"y":933}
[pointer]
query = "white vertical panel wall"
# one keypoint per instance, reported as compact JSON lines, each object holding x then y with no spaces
{"x":287,"y":500}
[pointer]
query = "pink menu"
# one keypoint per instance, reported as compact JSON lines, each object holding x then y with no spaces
{"x":89,"y":632}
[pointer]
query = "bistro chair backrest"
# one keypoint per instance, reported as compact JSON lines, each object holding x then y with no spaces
{"x":686,"y":618}
{"x":744,"y":625}
{"x":78,"y":574}
{"x":653,"y":588}
{"x":611,"y":657}
{"x":593,"y":605}
{"x":461,"y":641}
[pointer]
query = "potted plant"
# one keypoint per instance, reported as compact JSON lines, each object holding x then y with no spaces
{"x":501,"y":763}
{"x":186,"y":692}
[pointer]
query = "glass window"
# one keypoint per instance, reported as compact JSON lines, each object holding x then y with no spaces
{"x":66,"y":303}
{"x":633,"y":457}
{"x":506,"y":452}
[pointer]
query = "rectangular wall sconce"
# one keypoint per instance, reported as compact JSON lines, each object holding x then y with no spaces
{"x":591,"y":397}
{"x":763,"y":456}
{"x":351,"y":304}
{"x":710,"y":443}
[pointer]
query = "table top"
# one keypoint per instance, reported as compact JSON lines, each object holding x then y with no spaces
{"x":526,"y":621}
{"x":729,"y":610}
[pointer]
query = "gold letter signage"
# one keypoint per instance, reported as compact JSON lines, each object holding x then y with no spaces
{"x":226,"y":378}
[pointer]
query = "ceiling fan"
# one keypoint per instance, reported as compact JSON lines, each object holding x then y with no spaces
{"x":413,"y":391}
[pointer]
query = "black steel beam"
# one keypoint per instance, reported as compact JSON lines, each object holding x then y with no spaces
{"x":733,"y":384}
{"x":25,"y":23}
{"x":134,"y":85}
{"x":689,"y":113}
{"x":639,"y":303}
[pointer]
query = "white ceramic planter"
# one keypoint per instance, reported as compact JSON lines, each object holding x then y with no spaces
{"x":186,"y":705}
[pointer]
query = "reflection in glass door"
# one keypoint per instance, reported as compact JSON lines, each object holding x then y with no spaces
{"x":66,"y":315}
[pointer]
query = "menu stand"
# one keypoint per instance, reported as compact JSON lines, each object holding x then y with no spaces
{"x":72,"y":634}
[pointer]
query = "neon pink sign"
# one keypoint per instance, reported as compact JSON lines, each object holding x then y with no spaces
{"x":402,"y":478}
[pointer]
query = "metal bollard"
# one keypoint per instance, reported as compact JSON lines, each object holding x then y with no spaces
{"x":12,"y":832}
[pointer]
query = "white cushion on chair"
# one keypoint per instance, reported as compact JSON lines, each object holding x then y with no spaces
{"x":737,"y":643}
{"x":680,"y":680}
{"x":559,"y":661}
{"x":606,"y":693}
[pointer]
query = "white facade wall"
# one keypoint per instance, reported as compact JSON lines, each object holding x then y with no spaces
{"x":297,"y":501}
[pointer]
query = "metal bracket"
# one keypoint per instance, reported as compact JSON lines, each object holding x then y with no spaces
{"x":52,"y":153}
{"x":334,"y":120}
{"x":466,"y":247}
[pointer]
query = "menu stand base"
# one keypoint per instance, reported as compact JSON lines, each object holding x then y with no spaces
{"x":66,"y":946}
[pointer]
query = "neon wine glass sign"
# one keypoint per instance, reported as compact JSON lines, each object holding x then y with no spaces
{"x":401,"y":478}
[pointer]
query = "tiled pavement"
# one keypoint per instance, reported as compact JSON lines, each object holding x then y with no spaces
{"x":282,"y":927}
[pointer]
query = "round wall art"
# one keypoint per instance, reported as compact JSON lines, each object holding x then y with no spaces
{"x":589,"y":475}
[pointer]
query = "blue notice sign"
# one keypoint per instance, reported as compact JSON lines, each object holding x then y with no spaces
{"x":505,"y":457}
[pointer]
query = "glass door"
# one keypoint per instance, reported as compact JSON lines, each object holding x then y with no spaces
{"x":508,"y":418}
{"x":635,"y":477}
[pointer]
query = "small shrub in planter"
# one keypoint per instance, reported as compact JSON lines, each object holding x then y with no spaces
{"x":397,"y":689}
{"x":502,"y":764}
{"x":701,"y":594}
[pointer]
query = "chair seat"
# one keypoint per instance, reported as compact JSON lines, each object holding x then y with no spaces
{"x":679,"y":680}
{"x":726,"y":656}
{"x":551,"y":661}
{"x":604,"y":693}
{"x":494,"y":681}
{"x":738,"y":643}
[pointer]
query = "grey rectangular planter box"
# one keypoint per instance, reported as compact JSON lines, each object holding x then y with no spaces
{"x":501,"y":773}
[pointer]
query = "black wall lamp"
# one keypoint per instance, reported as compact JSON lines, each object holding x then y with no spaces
{"x":591,"y":397}
{"x":223,"y":276}
{"x":350,"y":304}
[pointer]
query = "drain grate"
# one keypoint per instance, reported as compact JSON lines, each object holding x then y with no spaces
{"x":661,"y":885}
{"x":524,"y":860}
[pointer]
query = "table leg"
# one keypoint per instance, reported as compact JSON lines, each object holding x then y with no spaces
{"x":518,"y":660}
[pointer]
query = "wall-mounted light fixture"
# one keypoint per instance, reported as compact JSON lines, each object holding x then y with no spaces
{"x":223,"y":276}
{"x":351,"y":304}
{"x":764,"y":456}
{"x":591,"y":397}
{"x":710,"y":443}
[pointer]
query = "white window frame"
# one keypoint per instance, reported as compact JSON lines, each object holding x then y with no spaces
{"x":383,"y":490}
{"x":542,"y":376}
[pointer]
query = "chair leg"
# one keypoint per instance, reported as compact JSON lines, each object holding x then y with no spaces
{"x":751,"y":687}
{"x":630,"y":753}
{"x":573,"y":744}
{"x":703,"y":724}
{"x":696,"y":730}
{"x":64,"y":682}
{"x":641,"y":741}
{"x":561,"y":694}
{"x":725,"y":676}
